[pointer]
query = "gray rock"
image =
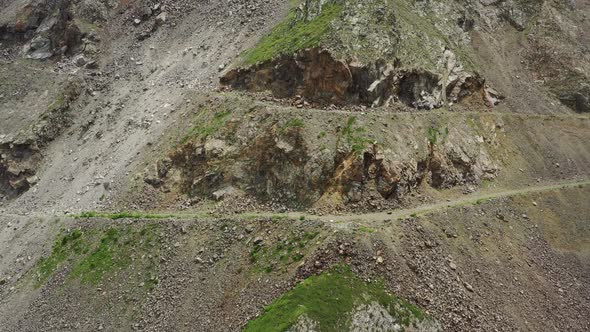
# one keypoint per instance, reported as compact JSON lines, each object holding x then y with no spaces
{"x":161,"y":18}
{"x":39,"y":48}
{"x":92,"y":10}
{"x":223,"y":193}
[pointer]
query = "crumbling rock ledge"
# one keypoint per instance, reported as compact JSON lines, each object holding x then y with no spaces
{"x":20,"y":156}
{"x":316,"y":75}
{"x":18,"y":165}
{"x":281,"y":166}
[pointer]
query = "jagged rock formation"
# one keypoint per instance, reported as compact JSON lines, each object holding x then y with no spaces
{"x":48,"y":27}
{"x":292,"y":162}
{"x":421,"y":54}
{"x":18,"y":165}
{"x":316,"y":75}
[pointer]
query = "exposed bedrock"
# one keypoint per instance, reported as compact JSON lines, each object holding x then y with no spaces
{"x":18,"y":165}
{"x":319,"y":77}
{"x":285,"y":166}
{"x":46,"y":28}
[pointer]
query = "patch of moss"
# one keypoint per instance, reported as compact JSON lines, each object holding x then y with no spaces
{"x":329,"y":300}
{"x":293,"y":34}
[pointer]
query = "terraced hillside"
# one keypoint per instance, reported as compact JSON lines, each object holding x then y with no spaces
{"x":333,"y":165}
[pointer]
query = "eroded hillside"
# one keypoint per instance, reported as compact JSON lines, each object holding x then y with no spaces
{"x":382,"y":165}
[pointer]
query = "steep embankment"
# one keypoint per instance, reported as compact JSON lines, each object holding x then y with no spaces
{"x":134,"y":76}
{"x":312,"y":158}
{"x":386,"y":165}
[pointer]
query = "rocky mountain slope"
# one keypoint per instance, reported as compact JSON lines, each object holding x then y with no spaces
{"x":313,"y":165}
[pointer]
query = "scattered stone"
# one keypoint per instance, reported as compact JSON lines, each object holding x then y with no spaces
{"x":161,"y":18}
{"x":80,"y":60}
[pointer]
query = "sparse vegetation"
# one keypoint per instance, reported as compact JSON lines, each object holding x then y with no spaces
{"x":65,"y":245}
{"x":328,"y":299}
{"x":206,"y":127}
{"x":366,"y":229}
{"x":436,"y":135}
{"x":354,"y":136}
{"x":101,"y":260}
{"x":92,"y":254}
{"x":123,"y":215}
{"x":283,"y":252}
{"x":293,"y":34}
{"x":294,"y":123}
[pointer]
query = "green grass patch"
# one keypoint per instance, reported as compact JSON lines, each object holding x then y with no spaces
{"x":436,"y":135}
{"x":206,"y":127}
{"x":92,"y":254}
{"x":62,"y":249}
{"x":366,"y":229}
{"x":294,"y":123}
{"x":329,"y":300}
{"x":480,"y":201}
{"x":293,"y":34}
{"x":114,"y":252}
{"x":101,"y":260}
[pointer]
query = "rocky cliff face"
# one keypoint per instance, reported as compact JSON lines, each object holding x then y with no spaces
{"x":418,"y":53}
{"x":319,"y":77}
{"x":290,"y":160}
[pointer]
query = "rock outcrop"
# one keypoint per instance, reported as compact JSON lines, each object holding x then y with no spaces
{"x":319,"y":77}
{"x":49,"y":28}
{"x":20,"y":156}
{"x":284,"y":161}
{"x":18,"y":166}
